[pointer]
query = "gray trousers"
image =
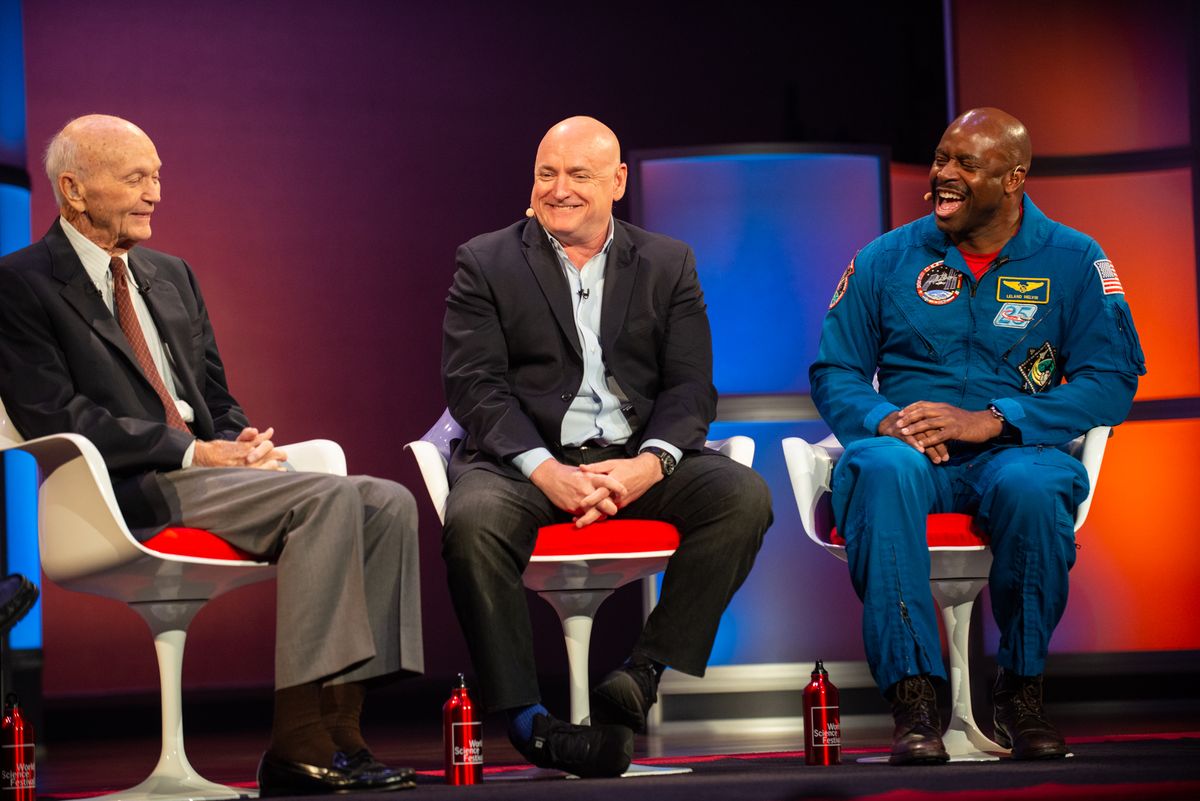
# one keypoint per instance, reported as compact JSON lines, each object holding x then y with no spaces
{"x":721,"y":509}
{"x":348,"y":600}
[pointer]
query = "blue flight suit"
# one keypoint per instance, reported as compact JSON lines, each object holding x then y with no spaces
{"x":1050,"y":309}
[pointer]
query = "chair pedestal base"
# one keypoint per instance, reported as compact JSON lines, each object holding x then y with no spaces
{"x":963,"y":739}
{"x":162,"y":787}
{"x":173,"y":778}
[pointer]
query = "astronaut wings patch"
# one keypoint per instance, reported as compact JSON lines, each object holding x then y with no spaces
{"x":1109,"y":281}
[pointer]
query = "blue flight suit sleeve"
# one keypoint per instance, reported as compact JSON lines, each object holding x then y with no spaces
{"x":841,"y":378}
{"x":1100,"y":360}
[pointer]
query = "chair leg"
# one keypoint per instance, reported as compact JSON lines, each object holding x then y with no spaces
{"x":576,"y":609}
{"x":963,"y":739}
{"x":173,"y":778}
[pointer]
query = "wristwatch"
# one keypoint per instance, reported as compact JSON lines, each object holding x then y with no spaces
{"x":664,"y":458}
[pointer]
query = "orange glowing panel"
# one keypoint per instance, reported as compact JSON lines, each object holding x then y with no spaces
{"x":1136,"y":583}
{"x":1144,"y":223}
{"x":1085,"y":76}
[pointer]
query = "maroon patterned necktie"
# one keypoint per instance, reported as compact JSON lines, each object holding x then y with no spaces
{"x":127,"y":318}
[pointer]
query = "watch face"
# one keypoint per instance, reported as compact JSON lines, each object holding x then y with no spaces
{"x":667,"y":460}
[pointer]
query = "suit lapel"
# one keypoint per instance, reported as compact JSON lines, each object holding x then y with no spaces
{"x":82,"y":295}
{"x":619,"y":277}
{"x":548,"y":272}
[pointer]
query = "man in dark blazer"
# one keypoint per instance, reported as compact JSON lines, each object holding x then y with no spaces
{"x":100,"y":339}
{"x":577,"y":356}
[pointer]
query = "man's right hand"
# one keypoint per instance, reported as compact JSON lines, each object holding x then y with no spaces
{"x":252,"y":448}
{"x":586,"y":496}
{"x":889,"y":427}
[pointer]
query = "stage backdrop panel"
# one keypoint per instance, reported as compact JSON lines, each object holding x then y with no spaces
{"x":772,"y":229}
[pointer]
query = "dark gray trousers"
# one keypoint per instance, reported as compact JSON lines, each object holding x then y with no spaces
{"x":721,"y":508}
{"x":348,"y":599}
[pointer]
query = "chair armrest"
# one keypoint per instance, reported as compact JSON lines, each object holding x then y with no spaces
{"x":810,"y":469}
{"x":316,"y":456}
{"x":1091,"y":453}
{"x":738,"y":448}
{"x":433,"y":469}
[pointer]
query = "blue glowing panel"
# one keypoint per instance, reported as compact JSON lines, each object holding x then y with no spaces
{"x":20,"y":524}
{"x":12,"y":86}
{"x":14,"y":218}
{"x":772,"y":233}
{"x":797,"y":605}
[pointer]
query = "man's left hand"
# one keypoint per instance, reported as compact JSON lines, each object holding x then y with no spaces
{"x":637,"y":474}
{"x":935,"y":423}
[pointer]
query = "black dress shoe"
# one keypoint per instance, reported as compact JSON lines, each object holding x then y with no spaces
{"x":917,"y":738}
{"x":17,"y":596}
{"x":278,"y":776}
{"x":1020,"y":723}
{"x":585,"y":751}
{"x":625,"y":696}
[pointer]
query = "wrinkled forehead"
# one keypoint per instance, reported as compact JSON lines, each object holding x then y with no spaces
{"x":976,"y":140}
{"x":593,"y":152}
{"x":118,"y":149}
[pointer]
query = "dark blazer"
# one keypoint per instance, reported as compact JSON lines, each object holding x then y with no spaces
{"x":65,"y":365}
{"x":511,"y":357}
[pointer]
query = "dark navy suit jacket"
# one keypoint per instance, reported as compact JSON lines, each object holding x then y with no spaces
{"x":66,"y":366}
{"x":511,"y":357}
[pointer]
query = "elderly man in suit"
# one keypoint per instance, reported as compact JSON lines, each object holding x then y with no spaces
{"x":577,"y":356}
{"x":114,"y":342}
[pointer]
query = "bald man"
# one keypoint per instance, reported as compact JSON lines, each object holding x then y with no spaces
{"x":998,"y":336}
{"x":577,"y":356}
{"x":104,"y":338}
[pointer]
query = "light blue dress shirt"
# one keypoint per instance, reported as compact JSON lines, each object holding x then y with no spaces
{"x":595,"y":412}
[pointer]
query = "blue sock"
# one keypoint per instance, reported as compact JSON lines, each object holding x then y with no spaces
{"x":520,"y":722}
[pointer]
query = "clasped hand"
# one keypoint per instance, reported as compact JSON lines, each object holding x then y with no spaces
{"x":929,"y":426}
{"x":594,"y":492}
{"x":252,"y":448}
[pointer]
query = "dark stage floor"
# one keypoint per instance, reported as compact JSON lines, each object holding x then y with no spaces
{"x":1149,"y":750}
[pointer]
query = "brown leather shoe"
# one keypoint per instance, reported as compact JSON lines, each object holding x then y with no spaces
{"x":1020,"y":723}
{"x":917,"y":739}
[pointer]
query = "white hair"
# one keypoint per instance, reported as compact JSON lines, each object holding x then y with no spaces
{"x":62,"y":155}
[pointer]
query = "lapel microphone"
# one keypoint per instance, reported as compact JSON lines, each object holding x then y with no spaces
{"x":584,"y":294}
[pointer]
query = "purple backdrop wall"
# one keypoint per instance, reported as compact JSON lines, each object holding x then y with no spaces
{"x":322,"y":161}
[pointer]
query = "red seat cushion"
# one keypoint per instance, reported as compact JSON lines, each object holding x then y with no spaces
{"x":195,"y":542}
{"x":609,"y":536}
{"x":947,"y":529}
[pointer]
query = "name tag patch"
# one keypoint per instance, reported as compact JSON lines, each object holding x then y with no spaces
{"x":1015,"y":315}
{"x":938,"y":284}
{"x":1023,"y":290}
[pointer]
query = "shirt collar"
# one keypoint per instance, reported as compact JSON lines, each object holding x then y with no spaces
{"x":94,"y":258}
{"x":562,"y":253}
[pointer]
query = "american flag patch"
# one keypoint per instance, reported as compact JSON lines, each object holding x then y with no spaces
{"x":1109,"y":281}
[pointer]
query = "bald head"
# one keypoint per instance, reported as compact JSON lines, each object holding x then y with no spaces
{"x":1001,"y":128}
{"x":86,"y":143}
{"x":583,"y":134}
{"x":577,"y":176}
{"x":104,"y":171}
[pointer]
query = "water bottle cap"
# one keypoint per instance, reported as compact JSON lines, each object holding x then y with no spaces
{"x":461,"y":684}
{"x":819,"y":669}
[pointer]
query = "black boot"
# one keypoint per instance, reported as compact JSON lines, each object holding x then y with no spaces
{"x":917,"y":739}
{"x":1020,"y":722}
{"x":625,"y":696}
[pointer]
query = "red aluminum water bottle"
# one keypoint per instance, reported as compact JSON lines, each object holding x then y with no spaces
{"x":822,"y":721}
{"x":18,"y":770}
{"x":462,"y":736}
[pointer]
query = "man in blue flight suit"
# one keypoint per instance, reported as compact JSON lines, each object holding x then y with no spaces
{"x":998,"y":335}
